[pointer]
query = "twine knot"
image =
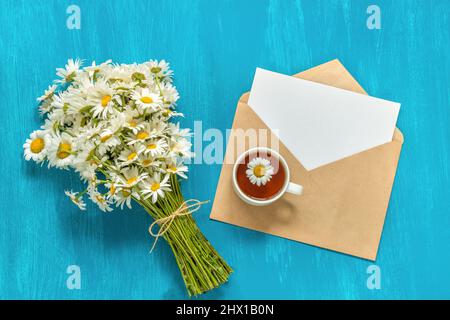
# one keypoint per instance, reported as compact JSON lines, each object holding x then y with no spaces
{"x":187,"y":208}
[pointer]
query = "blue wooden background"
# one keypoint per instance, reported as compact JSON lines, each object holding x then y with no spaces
{"x":214,"y":47}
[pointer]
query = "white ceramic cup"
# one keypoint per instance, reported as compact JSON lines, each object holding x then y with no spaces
{"x":287,"y":186}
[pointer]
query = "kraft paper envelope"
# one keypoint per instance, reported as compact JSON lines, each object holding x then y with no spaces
{"x":344,"y":203}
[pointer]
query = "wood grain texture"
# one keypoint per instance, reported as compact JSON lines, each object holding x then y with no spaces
{"x":214,"y":48}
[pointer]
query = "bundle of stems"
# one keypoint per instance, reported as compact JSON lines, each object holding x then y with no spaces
{"x":201,"y":267}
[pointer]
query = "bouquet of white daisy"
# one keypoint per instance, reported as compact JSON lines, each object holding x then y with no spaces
{"x":112,"y":124}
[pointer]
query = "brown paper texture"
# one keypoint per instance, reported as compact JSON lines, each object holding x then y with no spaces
{"x":344,"y":203}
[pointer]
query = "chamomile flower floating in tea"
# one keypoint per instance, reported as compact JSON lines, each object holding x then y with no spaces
{"x":259,"y":171}
{"x":113,"y":125}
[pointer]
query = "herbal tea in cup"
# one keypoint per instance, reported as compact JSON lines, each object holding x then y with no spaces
{"x":261,"y":176}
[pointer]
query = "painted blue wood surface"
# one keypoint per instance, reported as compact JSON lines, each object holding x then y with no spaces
{"x":214,"y":47}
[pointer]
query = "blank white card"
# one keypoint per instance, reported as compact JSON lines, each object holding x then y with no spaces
{"x":321,"y":124}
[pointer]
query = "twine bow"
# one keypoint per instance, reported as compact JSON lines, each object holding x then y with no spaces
{"x":188,"y":207}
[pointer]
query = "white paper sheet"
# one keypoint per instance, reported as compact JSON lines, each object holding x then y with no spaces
{"x":320,"y":124}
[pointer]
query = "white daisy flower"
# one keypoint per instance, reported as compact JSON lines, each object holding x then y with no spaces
{"x":128,"y":156}
{"x":45,"y":107}
{"x":48,"y":93}
{"x":75,"y":105}
{"x":103,"y":97}
{"x":259,"y":171}
{"x":130,"y":178}
{"x":58,"y":107}
{"x":68,"y":73}
{"x":76,"y":199}
{"x":149,"y":162}
{"x":35,"y":146}
{"x":154,"y":148}
{"x":124,"y":196}
{"x":61,"y":151}
{"x":177,"y":167}
{"x":133,"y":121}
{"x":87,"y":171}
{"x":154,"y":187}
{"x":169,"y":113}
{"x":50,"y":126}
{"x":100,"y":200}
{"x":180,"y":148}
{"x":140,"y":136}
{"x":145,"y":99}
{"x":142,"y":75}
{"x":82,"y":84}
{"x":112,"y":189}
{"x":148,"y":131}
{"x":175,"y":131}
{"x":119,"y":73}
{"x":86,"y":162}
{"x":157,"y":128}
{"x":108,"y":140}
{"x":159,"y":68}
{"x":169,"y":93}
{"x":95,"y":69}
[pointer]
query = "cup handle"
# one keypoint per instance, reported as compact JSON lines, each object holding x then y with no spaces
{"x":294,"y":188}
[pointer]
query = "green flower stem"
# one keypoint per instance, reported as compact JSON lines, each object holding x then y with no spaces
{"x":201,"y":267}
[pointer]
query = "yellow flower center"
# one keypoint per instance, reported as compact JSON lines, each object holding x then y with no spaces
{"x":126,"y":192}
{"x":146,"y":162}
{"x":142,"y":135}
{"x":132,"y":123}
{"x":75,"y":200}
{"x":105,"y":137}
{"x":151,"y":146}
{"x":100,"y":199}
{"x":105,"y":100}
{"x":64,"y":150}
{"x":131,"y":180}
{"x":112,"y":190}
{"x":147,"y":100}
{"x":172,"y":169}
{"x":131,"y":156}
{"x":37,"y":145}
{"x":155,"y":186}
{"x":259,"y":171}
{"x":93,"y":162}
